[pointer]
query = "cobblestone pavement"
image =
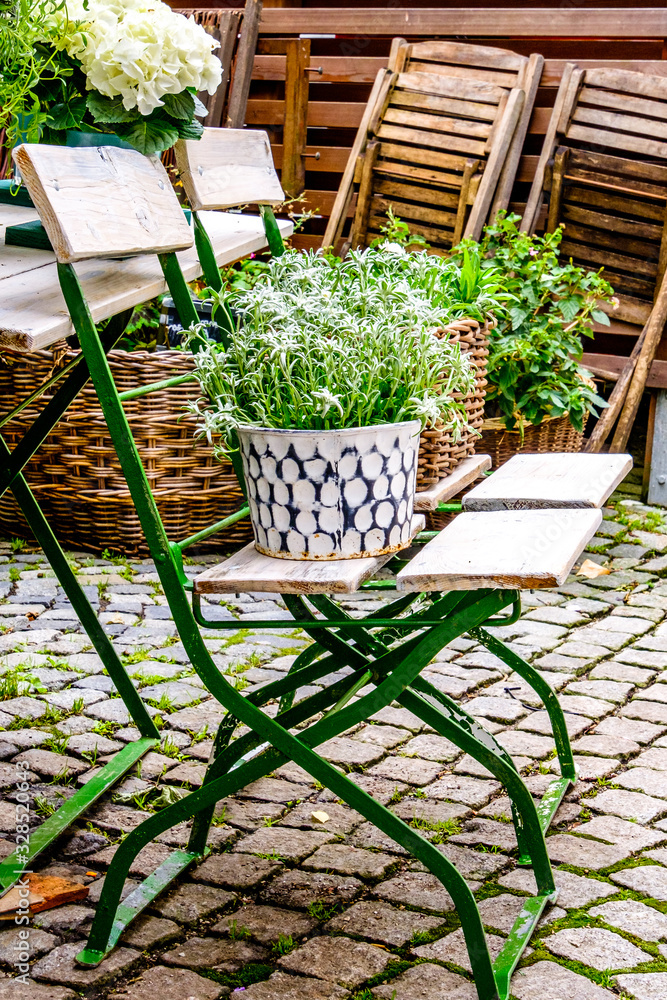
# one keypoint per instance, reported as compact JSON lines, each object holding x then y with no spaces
{"x":300,"y":897}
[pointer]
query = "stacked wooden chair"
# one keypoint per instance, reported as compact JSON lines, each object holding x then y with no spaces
{"x":439,"y":142}
{"x":603,"y":175}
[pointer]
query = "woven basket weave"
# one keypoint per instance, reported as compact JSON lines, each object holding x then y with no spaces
{"x":553,"y":434}
{"x":439,"y":454}
{"x":76,"y":477}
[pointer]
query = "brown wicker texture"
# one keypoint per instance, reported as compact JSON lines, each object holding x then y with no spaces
{"x":439,"y":454}
{"x":555,"y":434}
{"x":76,"y":476}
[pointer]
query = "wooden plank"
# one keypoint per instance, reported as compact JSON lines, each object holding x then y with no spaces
{"x":295,"y":128}
{"x":426,"y":157}
{"x":529,"y":81}
{"x":522,"y":22}
{"x":466,"y":73}
{"x":610,"y":223}
{"x":523,"y":550}
{"x":463,"y":475}
{"x":358,"y":235}
{"x":228,"y":167}
{"x":613,"y":364}
{"x":102,"y":202}
{"x":245,"y":56}
{"x":629,"y":103}
{"x":250,"y":570}
{"x":604,"y":257}
{"x":33,"y":314}
{"x":417,"y":137}
{"x":444,"y":85}
{"x":628,"y":170}
{"x":404,"y":170}
{"x":449,"y":105}
{"x":413,"y":192}
{"x":617,"y":140}
{"x":437,"y":123}
{"x":646,"y":252}
{"x":634,"y":83}
{"x":501,"y":144}
{"x":657,"y":488}
{"x":530,"y":482}
{"x":461,"y":53}
{"x":410,"y":211}
{"x":616,"y":122}
{"x":612,"y":201}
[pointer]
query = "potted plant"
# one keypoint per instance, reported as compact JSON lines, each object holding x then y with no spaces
{"x":538,"y":397}
{"x":125,"y":71}
{"x":328,"y":373}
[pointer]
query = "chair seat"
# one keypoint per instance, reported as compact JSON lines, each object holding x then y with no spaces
{"x":249,"y":570}
{"x":506,"y":549}
{"x":465,"y":473}
{"x":547,"y":481}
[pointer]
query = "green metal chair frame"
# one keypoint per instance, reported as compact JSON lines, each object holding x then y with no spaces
{"x":386,"y":650}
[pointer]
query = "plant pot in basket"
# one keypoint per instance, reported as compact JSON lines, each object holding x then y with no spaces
{"x":336,"y":494}
{"x":553,"y":434}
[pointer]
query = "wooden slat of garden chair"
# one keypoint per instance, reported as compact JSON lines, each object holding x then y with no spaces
{"x":71,"y":187}
{"x":507,"y":549}
{"x":227,"y":168}
{"x":549,"y":481}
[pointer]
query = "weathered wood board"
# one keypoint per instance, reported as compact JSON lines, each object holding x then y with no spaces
{"x":227,"y":168}
{"x":529,"y":482}
{"x":465,"y":473}
{"x":249,"y":570}
{"x":507,"y":549}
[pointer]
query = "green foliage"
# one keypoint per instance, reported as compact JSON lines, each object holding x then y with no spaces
{"x":283,"y":946}
{"x":397,"y":231}
{"x":322,"y":911}
{"x":238,"y":933}
{"x":17,"y":544}
{"x":322,"y":344}
{"x":533,"y":368}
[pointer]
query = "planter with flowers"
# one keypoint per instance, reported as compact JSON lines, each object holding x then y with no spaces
{"x":123,"y":71}
{"x":538,"y":397}
{"x":330,"y":371}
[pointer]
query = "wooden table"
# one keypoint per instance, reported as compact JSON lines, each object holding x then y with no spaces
{"x":33,"y":314}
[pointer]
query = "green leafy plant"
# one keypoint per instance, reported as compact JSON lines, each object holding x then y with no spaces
{"x":320,"y":344}
{"x":534,"y":353}
{"x":83,"y":65}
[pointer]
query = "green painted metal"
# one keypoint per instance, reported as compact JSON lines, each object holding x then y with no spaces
{"x":137,"y":901}
{"x":199,"y":536}
{"x":545,"y":692}
{"x":12,"y":193}
{"x":550,"y":801}
{"x":145,"y":390}
{"x":13,"y":866}
{"x":206,"y":255}
{"x":178,"y":287}
{"x":518,"y":938}
{"x":273,"y":235}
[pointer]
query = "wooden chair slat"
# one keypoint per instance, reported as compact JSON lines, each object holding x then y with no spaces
{"x":228,"y":167}
{"x":646,"y":252}
{"x":607,"y":164}
{"x":631,"y":143}
{"x":549,"y":481}
{"x":472,"y":109}
{"x":434,"y":236}
{"x":417,"y":193}
{"x":460,"y":53}
{"x":425,"y":157}
{"x":103,"y":201}
{"x":391,"y":168}
{"x":610,"y":224}
{"x":614,"y":200}
{"x":625,"y":81}
{"x":469,"y":74}
{"x":444,"y":84}
{"x":522,"y":549}
{"x":603,"y":258}
{"x":463,"y":475}
{"x":437,"y":123}
{"x":417,"y":137}
{"x":409,"y":210}
{"x":623,"y":102}
{"x":249,"y":570}
{"x":623,"y":123}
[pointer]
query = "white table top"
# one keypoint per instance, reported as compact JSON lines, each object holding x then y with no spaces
{"x":33,"y":314}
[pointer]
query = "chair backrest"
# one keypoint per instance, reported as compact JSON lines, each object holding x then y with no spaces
{"x":443,"y":141}
{"x":103,"y":201}
{"x":228,"y":167}
{"x":604,"y":174}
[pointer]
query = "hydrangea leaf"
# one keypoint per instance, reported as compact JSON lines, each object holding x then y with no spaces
{"x":108,"y":110}
{"x":181,"y":106}
{"x":151,"y":135}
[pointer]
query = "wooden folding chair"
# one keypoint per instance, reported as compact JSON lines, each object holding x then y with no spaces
{"x":603,"y":174}
{"x":228,"y":168}
{"x":439,"y":142}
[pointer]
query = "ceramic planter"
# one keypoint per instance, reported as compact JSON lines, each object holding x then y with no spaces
{"x":331,"y":494}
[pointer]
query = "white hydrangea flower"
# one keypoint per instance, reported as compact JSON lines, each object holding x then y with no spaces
{"x":139,"y":50}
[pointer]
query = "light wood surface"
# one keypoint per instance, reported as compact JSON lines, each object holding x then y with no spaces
{"x":249,"y":570}
{"x":463,"y":475}
{"x":33,"y":314}
{"x":227,"y":168}
{"x":529,"y":482}
{"x":102,"y":201}
{"x":508,"y":549}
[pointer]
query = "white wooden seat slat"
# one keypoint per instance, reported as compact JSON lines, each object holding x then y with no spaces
{"x":505,"y":549}
{"x":466,"y":472}
{"x":548,"y":481}
{"x":249,"y":570}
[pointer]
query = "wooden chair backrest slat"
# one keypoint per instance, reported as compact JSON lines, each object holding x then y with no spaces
{"x":464,"y":54}
{"x":103,"y":201}
{"x":227,"y":168}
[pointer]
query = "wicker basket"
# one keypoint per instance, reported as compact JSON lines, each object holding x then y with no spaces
{"x":439,"y":454}
{"x":553,"y":434}
{"x":76,"y":476}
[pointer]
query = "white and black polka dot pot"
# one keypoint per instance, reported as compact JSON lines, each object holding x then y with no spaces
{"x":331,"y":494}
